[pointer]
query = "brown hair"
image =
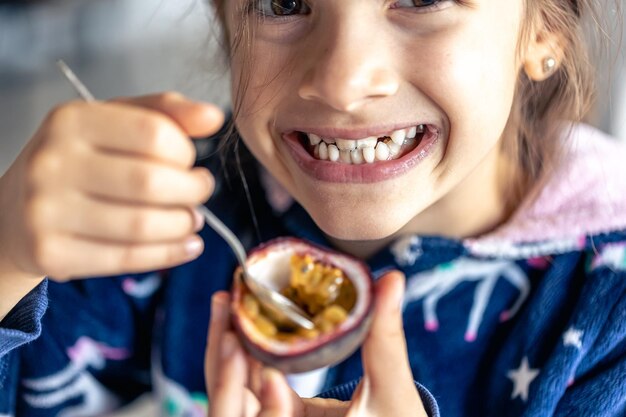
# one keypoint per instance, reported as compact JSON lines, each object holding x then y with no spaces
{"x":540,"y":108}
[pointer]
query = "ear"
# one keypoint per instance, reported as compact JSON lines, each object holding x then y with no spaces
{"x":544,"y":55}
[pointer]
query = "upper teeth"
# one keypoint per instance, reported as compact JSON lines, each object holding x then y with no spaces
{"x":362,"y":150}
{"x":314,"y":139}
{"x":397,"y":136}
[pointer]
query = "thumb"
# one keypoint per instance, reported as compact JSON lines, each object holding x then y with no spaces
{"x":195,"y":118}
{"x":384,"y":352}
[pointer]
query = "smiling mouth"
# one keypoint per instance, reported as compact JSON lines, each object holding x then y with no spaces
{"x":389,"y":146}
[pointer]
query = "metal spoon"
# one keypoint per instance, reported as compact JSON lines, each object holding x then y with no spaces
{"x":281,"y":306}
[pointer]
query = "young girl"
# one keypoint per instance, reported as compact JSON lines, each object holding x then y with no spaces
{"x":507,"y":217}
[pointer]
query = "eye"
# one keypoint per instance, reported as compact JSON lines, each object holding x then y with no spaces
{"x":280,"y":8}
{"x":287,"y":7}
{"x":415,"y":3}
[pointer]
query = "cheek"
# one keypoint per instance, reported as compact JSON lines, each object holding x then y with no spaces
{"x":475,"y":85}
{"x":256,"y":97}
{"x":260,"y":82}
{"x":252,"y":96}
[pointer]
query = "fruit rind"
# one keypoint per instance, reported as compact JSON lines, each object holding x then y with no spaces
{"x":304,"y":354}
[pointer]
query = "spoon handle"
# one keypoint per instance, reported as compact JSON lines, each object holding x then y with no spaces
{"x":226,"y":234}
{"x":80,"y":88}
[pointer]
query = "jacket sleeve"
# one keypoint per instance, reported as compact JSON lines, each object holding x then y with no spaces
{"x":82,"y":345}
{"x":22,"y":325}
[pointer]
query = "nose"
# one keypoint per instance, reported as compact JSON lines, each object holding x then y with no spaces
{"x":349,"y":66}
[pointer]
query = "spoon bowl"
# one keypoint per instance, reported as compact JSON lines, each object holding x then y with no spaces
{"x":281,"y":306}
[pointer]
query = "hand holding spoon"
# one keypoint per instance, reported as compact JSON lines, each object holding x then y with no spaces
{"x":272,"y":300}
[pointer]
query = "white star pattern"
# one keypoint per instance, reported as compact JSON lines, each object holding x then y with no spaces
{"x":522,"y":378}
{"x":573,"y":337}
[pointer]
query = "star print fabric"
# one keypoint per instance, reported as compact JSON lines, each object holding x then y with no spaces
{"x":533,"y":328}
{"x":514,"y":337}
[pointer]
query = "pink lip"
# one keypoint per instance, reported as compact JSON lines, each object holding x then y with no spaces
{"x":365,"y":173}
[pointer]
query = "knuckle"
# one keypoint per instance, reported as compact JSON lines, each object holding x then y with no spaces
{"x":46,"y":257}
{"x":132,"y":258}
{"x":38,"y":211}
{"x":44,"y":164}
{"x":64,"y":115}
{"x":145,"y":181}
{"x":151,"y":129}
{"x":173,"y":254}
{"x":168,"y":97}
{"x":148,"y":126}
{"x":140,"y":226}
{"x":129,"y":258}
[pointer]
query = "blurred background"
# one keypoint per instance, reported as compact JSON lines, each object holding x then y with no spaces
{"x":117,"y":47}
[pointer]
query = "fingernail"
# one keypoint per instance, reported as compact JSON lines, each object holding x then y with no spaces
{"x":228,"y":346}
{"x":194,"y":246}
{"x":216,"y":113}
{"x":218,"y":307}
{"x":401,"y":279}
{"x":198,"y":220}
{"x":209,"y":179}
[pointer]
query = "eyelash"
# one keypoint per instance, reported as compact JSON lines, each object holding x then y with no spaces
{"x":255,"y":6}
{"x":422,"y":9}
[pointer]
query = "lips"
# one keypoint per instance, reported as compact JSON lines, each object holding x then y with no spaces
{"x":360,"y":159}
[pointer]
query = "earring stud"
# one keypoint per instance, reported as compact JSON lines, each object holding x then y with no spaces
{"x":549,"y":64}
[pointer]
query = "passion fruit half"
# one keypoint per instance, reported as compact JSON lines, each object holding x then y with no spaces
{"x":335,"y":289}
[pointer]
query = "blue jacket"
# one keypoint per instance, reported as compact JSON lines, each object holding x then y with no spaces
{"x":529,"y":323}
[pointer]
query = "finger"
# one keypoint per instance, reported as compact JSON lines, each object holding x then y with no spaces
{"x":276,"y":400}
{"x":219,"y":324}
{"x":360,"y":397}
{"x":386,"y":338}
{"x":320,"y":406}
{"x":125,"y":128}
{"x":229,"y":392}
{"x":122,"y":223}
{"x":56,"y":256}
{"x":255,"y":377}
{"x":252,"y":404}
{"x":128,"y":179}
{"x":197,"y":119}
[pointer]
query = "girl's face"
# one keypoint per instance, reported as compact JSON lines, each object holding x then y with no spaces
{"x":442,"y":71}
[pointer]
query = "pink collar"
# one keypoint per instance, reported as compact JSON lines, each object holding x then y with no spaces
{"x":585,"y":195}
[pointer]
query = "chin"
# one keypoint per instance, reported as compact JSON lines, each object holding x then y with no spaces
{"x":353,"y":227}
